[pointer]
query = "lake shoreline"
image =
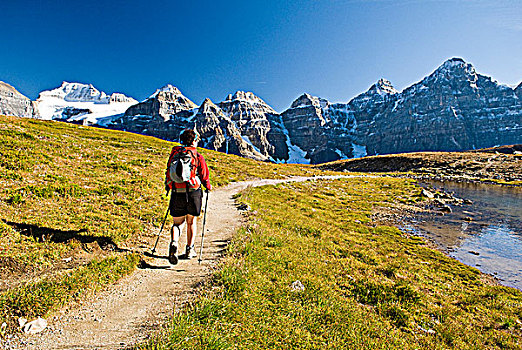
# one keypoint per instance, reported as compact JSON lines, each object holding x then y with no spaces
{"x":470,"y":228}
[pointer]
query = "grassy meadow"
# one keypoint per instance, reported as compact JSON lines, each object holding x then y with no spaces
{"x":363,"y":285}
{"x":75,"y":200}
{"x":71,"y":195}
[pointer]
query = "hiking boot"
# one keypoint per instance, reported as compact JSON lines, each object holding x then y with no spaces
{"x":173,"y":249}
{"x":190,"y":253}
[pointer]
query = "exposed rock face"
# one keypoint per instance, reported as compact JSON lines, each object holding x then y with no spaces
{"x":164,"y":103}
{"x":120,"y":98}
{"x":518,"y":91}
{"x":14,"y":103}
{"x":219,"y":132}
{"x":258,"y":122}
{"x":69,"y":112}
{"x":167,"y":113}
{"x":374,"y":101}
{"x":152,"y":117}
{"x":452,"y":109}
{"x":321,"y":129}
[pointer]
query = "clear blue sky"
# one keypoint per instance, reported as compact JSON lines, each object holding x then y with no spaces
{"x":277,"y":49}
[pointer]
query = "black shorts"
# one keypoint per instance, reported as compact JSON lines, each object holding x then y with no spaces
{"x":179,"y":206}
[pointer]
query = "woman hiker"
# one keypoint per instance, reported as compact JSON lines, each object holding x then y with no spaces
{"x":186,"y":172}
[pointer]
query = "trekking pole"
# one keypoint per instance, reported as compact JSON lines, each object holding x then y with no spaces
{"x":161,"y":229}
{"x":203,"y":230}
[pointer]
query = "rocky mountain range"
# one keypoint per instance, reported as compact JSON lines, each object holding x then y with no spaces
{"x":14,"y":103}
{"x":452,"y":109}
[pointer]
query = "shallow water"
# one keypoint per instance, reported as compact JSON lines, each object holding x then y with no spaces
{"x":486,"y":234}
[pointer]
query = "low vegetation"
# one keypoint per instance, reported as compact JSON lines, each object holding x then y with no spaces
{"x":501,"y":165}
{"x":74,"y":196}
{"x":311,"y":270}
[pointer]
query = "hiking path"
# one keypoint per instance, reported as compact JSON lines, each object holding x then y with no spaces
{"x":136,"y":307}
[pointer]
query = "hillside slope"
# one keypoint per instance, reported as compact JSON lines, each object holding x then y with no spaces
{"x":74,"y":197}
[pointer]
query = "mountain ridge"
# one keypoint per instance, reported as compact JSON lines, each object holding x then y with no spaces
{"x":453,"y":108}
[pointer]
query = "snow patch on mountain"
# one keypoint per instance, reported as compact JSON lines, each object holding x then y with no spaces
{"x":77,"y":102}
{"x":296,"y":155}
{"x":359,"y":151}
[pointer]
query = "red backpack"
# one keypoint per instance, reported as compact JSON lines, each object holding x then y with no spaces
{"x":182,"y":169}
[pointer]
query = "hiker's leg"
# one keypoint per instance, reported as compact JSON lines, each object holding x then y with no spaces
{"x":175,"y":230}
{"x":191,"y":229}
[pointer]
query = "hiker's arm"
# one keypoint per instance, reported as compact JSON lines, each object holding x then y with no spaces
{"x":204,"y":174}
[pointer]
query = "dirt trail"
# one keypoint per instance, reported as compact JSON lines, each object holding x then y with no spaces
{"x":132,"y":310}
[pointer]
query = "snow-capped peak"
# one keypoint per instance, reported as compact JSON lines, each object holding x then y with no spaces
{"x":455,"y":66}
{"x":453,"y":69}
{"x":79,"y":92}
{"x":384,"y":87}
{"x":167,"y":88}
{"x":117,"y":97}
{"x":207,"y":103}
{"x":75,"y":92}
{"x":306,"y":100}
{"x":85,"y":98}
{"x":243,"y":96}
{"x":248,"y":98}
{"x":453,"y":62}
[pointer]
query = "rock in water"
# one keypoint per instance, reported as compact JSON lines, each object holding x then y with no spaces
{"x":445,"y":208}
{"x":22,"y":321}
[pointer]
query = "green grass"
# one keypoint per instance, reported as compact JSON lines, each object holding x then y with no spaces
{"x":49,"y":294}
{"x":67,"y":184}
{"x":366,"y":286}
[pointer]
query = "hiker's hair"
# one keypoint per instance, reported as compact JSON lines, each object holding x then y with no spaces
{"x":188,"y":136}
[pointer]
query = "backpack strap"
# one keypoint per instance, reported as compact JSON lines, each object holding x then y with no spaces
{"x":175,"y":150}
{"x":187,"y":184}
{"x":194,"y":155}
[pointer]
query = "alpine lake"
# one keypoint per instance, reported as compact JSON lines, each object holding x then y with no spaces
{"x":485,"y":232}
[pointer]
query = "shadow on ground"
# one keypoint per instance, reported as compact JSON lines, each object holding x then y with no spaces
{"x":45,"y":234}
